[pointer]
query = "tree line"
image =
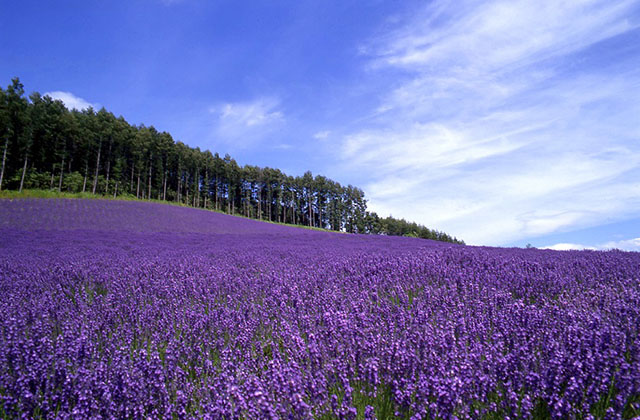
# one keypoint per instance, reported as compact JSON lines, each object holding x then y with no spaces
{"x":46,"y":146}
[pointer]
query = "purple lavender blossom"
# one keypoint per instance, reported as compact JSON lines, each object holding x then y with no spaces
{"x":136,"y":310}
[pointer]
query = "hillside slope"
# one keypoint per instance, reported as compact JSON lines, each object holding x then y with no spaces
{"x":130,"y":216}
{"x":138,"y":310}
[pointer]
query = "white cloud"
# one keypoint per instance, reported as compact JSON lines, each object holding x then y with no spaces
{"x":568,"y":247}
{"x":246,"y":122}
{"x":491,"y":131}
{"x":70,"y":100}
{"x":479,"y":37}
{"x":256,"y":113}
{"x":322,"y":135}
{"x":627,"y":245}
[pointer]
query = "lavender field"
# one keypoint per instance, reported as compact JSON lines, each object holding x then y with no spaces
{"x":136,"y":310}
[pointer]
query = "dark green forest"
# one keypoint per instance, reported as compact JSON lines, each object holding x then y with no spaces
{"x":46,"y":146}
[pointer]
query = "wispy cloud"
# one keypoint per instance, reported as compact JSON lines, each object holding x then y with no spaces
{"x":480,"y":37}
{"x":504,"y":121}
{"x":260,"y":112}
{"x":322,"y":135}
{"x":568,"y":247}
{"x":246,"y":121}
{"x":625,"y":245}
{"x":70,"y":100}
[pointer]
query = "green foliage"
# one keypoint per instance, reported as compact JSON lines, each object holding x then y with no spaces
{"x":400,"y":227}
{"x":72,"y":182}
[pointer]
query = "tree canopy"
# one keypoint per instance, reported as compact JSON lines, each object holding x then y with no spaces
{"x":46,"y":146}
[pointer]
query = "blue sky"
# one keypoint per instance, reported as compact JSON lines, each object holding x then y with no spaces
{"x":500,"y":122}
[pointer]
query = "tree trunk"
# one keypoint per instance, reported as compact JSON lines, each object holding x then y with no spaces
{"x":247,"y":203}
{"x":179,"y":187}
{"x":4,"y":158}
{"x":53,"y":170}
{"x":278,"y":207}
{"x":150,"y":166}
{"x":138,"y":186}
{"x":206,"y":181}
{"x":164,"y":187}
{"x":95,"y":177}
{"x":86,"y":170}
{"x":61,"y":172}
{"x":106,"y":188}
{"x":24,"y":170}
{"x":269,"y":198}
{"x":196,"y":198}
{"x":131,"y":183}
{"x":115,"y":192}
{"x":215,"y":193}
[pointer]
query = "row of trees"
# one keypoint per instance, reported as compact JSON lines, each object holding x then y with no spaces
{"x":46,"y":146}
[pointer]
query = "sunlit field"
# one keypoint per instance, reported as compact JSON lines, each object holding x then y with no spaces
{"x":113,"y":309}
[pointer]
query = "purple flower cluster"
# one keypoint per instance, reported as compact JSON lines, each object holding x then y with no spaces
{"x":137,"y":310}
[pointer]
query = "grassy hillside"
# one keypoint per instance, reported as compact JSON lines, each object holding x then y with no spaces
{"x":27,"y":193}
